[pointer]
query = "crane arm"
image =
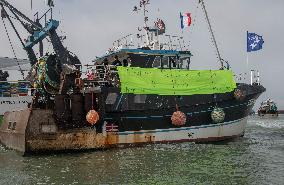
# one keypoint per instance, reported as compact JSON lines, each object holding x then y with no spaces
{"x":20,"y":14}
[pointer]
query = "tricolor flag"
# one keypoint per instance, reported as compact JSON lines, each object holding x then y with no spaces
{"x":185,"y":20}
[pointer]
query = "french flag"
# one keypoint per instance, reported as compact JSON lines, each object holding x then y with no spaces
{"x":185,"y":20}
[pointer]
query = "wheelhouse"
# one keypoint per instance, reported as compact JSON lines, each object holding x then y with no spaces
{"x":164,"y":59}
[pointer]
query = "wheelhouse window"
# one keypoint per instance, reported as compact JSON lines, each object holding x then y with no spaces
{"x":165,"y":62}
{"x":184,"y":63}
{"x":157,"y":62}
{"x":171,"y":62}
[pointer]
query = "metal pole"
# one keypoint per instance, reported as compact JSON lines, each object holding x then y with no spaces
{"x":145,"y":25}
{"x":251,"y":77}
{"x":258,"y":78}
{"x":211,"y":31}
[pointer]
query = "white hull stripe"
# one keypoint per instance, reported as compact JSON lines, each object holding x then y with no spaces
{"x":179,"y":129}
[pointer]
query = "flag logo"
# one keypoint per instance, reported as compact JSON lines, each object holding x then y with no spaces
{"x":254,"y":42}
{"x":185,"y":20}
{"x":110,"y":127}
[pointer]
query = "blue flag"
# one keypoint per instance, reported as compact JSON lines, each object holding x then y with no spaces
{"x":254,"y":42}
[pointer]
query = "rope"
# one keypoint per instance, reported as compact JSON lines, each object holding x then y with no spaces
{"x":177,"y":107}
{"x":92,"y":100}
{"x":13,"y":50}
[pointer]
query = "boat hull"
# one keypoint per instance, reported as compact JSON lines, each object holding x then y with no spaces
{"x":217,"y":132}
{"x":268,"y":115}
{"x":37,"y":130}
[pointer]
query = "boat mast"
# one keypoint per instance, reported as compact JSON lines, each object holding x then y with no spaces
{"x":212,"y":34}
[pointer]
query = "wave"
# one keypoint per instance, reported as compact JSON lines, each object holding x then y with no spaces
{"x":277,"y":123}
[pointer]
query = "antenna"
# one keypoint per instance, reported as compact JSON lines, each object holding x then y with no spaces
{"x":170,"y":43}
{"x":143,"y":6}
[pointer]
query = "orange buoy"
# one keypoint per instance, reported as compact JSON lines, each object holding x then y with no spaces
{"x":79,"y":83}
{"x":92,"y":117}
{"x":178,"y":118}
{"x":239,"y":94}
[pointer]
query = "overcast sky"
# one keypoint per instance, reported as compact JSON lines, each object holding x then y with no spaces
{"x":91,"y":26}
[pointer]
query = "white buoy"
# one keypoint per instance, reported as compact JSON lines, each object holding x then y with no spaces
{"x":218,"y":115}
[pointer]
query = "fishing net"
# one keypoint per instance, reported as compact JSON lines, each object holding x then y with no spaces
{"x":137,"y":80}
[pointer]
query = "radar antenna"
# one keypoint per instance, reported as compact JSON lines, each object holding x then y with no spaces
{"x":143,"y":6}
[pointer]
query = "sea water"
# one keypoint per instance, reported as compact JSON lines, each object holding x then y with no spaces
{"x":256,"y":158}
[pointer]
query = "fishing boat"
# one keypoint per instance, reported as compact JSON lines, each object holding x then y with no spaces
{"x":157,"y":97}
{"x":14,"y":95}
{"x":268,"y":108}
{"x":131,"y":96}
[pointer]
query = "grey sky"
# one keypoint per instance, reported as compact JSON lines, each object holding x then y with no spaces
{"x":92,"y":25}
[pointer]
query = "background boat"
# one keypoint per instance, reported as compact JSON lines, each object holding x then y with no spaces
{"x":268,"y":109}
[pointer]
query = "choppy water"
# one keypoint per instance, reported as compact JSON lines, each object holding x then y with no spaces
{"x":257,"y":158}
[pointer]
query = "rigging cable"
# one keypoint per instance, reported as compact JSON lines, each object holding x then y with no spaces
{"x":195,"y":15}
{"x":212,"y":33}
{"x":13,"y":50}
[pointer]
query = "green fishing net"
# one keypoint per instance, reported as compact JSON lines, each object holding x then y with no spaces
{"x":135,"y":80}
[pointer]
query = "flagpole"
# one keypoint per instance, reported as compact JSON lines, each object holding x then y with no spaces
{"x":247,"y":61}
{"x":182,"y":39}
{"x":181,"y":27}
{"x":249,"y":72}
{"x":254,"y":43}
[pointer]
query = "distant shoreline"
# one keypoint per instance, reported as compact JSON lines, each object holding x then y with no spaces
{"x":281,"y":112}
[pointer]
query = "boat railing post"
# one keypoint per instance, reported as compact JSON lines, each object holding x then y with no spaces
{"x":251,"y":77}
{"x":258,"y":78}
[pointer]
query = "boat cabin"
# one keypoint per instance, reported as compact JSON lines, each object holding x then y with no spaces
{"x":145,"y":58}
